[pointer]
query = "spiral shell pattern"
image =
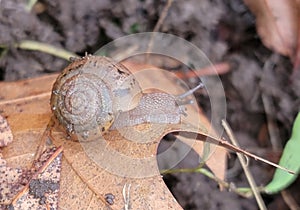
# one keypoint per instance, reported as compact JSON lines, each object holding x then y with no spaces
{"x":88,"y":94}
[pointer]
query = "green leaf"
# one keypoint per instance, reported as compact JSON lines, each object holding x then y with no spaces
{"x":290,"y":159}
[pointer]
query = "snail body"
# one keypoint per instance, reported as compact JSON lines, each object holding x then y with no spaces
{"x":93,"y":94}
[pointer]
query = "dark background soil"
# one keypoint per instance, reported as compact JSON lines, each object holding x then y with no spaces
{"x":223,"y":29}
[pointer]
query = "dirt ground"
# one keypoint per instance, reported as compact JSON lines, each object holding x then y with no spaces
{"x":259,"y":88}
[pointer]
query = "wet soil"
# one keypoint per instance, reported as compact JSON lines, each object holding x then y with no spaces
{"x":259,"y":88}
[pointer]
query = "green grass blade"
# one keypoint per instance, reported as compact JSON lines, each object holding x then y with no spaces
{"x":290,"y":159}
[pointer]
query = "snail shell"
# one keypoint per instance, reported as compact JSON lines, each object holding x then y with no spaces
{"x":89,"y":93}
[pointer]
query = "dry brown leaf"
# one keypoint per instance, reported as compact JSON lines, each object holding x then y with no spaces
{"x":34,"y":188}
{"x":42,"y":190}
{"x":10,"y":186}
{"x":6,"y":136}
{"x":83,"y":182}
{"x":278,"y":24}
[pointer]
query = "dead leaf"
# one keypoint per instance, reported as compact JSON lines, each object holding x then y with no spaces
{"x":33,"y":188}
{"x":83,"y":182}
{"x":42,"y":190}
{"x":278,"y":24}
{"x":6,"y":136}
{"x":9,"y":179}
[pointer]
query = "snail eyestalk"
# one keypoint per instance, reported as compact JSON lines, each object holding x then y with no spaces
{"x":180,"y":98}
{"x":191,"y":91}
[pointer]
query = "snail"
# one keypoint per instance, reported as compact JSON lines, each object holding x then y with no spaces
{"x":95,"y":93}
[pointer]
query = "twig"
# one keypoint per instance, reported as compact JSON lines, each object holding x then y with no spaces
{"x":234,"y":148}
{"x":46,"y":48}
{"x":248,"y":174}
{"x":216,"y":69}
{"x":163,"y":16}
{"x":158,"y":25}
{"x":289,"y":200}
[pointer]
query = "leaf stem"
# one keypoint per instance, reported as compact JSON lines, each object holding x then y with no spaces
{"x":244,"y":192}
{"x":46,"y":48}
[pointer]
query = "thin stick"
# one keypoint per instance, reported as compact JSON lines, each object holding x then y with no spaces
{"x":215,"y":69}
{"x":248,"y":174}
{"x":158,"y":25}
{"x":289,"y":200}
{"x":229,"y":146}
{"x":163,"y":16}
